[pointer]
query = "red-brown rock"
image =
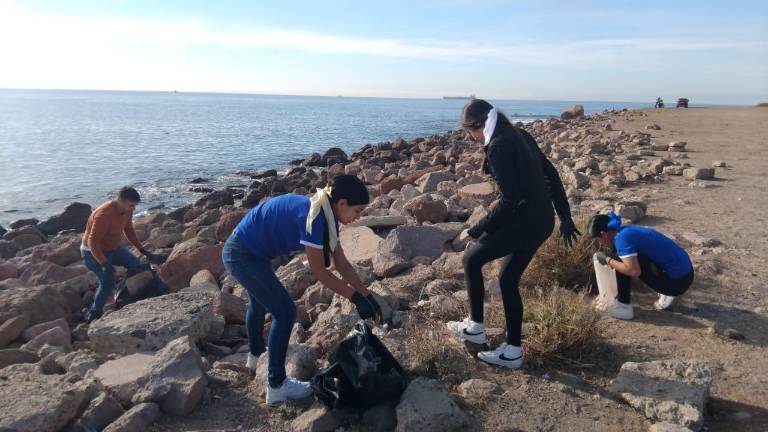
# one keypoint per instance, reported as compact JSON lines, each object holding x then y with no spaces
{"x":178,"y":271}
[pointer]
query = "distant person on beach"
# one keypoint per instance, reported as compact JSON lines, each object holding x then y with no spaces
{"x":101,"y":248}
{"x":643,"y":253}
{"x":514,"y":228}
{"x":281,"y":226}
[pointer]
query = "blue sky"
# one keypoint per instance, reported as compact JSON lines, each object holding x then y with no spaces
{"x":709,"y":51}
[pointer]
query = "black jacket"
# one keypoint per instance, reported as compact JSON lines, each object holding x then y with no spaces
{"x":528,"y":182}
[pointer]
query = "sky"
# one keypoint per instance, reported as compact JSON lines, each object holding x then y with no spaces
{"x":708,"y":51}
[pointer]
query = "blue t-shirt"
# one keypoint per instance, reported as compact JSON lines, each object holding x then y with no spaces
{"x":278,"y":227}
{"x":665,"y":253}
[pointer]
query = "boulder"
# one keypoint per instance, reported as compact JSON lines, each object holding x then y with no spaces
{"x":137,"y":419}
{"x":379,"y":222}
{"x":63,"y":251}
{"x":204,"y":276}
{"x":56,"y":337}
{"x":12,"y":329}
{"x":21,"y":223}
{"x":330,"y":327}
{"x":575,"y":112}
{"x":26,"y":230}
{"x":410,"y":283}
{"x":428,"y":182}
{"x":296,"y":277}
{"x":216,"y":199}
{"x":26,"y":241}
{"x":316,"y":419}
{"x":231,"y":307}
{"x":8,"y":249}
{"x":150,"y":324}
{"x":391,"y":183}
{"x":426,"y":209}
{"x":427,"y":407}
{"x":228,"y":223}
{"x":162,"y":237}
{"x":79,"y":362}
{"x":576,"y":179}
{"x":74,"y":217}
{"x":102,"y":411}
{"x":42,"y":303}
{"x":667,"y":427}
{"x":121,"y":376}
{"x":38,"y":329}
{"x":175,"y":379}
{"x":699,"y":173}
{"x":13,"y":356}
{"x":450,"y":265}
{"x":483,"y":192}
{"x":34,"y":402}
{"x":360,"y":244}
{"x":671,"y":391}
{"x":407,"y":242}
{"x":177,"y":271}
{"x":299,"y":363}
{"x":47,"y":273}
{"x":478,"y":389}
{"x":8,"y":270}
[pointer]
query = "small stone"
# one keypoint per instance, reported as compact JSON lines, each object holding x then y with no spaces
{"x":315,"y":420}
{"x":733,"y":334}
{"x":137,"y":419}
{"x":478,"y":388}
{"x":668,"y":427}
{"x":718,"y":164}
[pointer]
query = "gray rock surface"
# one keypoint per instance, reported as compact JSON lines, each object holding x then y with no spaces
{"x":137,"y":419}
{"x":150,"y":324}
{"x":427,"y":407}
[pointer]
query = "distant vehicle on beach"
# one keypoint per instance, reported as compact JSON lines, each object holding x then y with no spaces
{"x":472,"y":96}
{"x":682,"y":103}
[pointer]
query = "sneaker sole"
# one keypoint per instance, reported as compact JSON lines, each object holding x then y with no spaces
{"x":623,"y":318}
{"x":516,"y":364}
{"x":278,"y":403}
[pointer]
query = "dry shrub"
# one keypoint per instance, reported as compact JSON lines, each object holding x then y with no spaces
{"x":566,"y":327}
{"x":432,"y":354}
{"x":558,"y":265}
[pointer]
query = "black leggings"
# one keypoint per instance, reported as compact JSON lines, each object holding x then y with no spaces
{"x":487,"y":249}
{"x":656,"y":278}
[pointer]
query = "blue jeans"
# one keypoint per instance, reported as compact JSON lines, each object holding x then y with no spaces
{"x":118,"y":257}
{"x":265,"y":293}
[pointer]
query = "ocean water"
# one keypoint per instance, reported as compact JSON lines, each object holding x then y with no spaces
{"x":62,"y":146}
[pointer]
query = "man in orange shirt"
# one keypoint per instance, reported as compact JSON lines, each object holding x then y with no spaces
{"x":101,"y":248}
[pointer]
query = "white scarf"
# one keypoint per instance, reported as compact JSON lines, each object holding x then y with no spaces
{"x":321,"y":200}
{"x":490,"y":123}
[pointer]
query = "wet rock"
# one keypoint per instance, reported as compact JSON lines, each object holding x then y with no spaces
{"x":666,"y":391}
{"x":74,"y":217}
{"x":150,"y":324}
{"x":21,"y":223}
{"x":360,"y":244}
{"x":575,"y":112}
{"x":478,"y":388}
{"x":427,"y":407}
{"x":137,"y":419}
{"x":175,"y":379}
{"x":34,"y":402}
{"x":178,"y":270}
{"x":216,"y":199}
{"x":315,"y":420}
{"x":12,"y":329}
{"x":407,"y":242}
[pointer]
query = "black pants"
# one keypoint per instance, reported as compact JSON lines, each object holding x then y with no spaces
{"x":487,"y":249}
{"x":656,"y":278}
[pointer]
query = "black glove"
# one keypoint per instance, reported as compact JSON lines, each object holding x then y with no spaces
{"x":475,"y":232}
{"x":376,"y":308}
{"x":364,"y":307}
{"x":568,"y":232}
{"x":602,"y":258}
{"x":152,"y":258}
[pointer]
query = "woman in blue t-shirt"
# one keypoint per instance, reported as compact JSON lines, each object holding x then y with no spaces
{"x":643,"y":253}
{"x":282,"y":226}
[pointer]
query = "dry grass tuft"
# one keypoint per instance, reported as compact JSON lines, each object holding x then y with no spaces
{"x":433,"y":356}
{"x":557,"y":265}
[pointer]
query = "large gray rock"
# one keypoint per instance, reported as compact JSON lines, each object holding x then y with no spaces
{"x":33,"y":402}
{"x":427,"y":407}
{"x":296,"y":277}
{"x":150,"y":324}
{"x":12,"y":328}
{"x":13,"y":356}
{"x":74,"y":217}
{"x":666,"y":391}
{"x":379,"y":222}
{"x":315,"y":420}
{"x":175,"y":379}
{"x":121,"y":376}
{"x":405,"y":243}
{"x":101,"y":411}
{"x":360,"y":244}
{"x":137,"y":419}
{"x":428,"y":182}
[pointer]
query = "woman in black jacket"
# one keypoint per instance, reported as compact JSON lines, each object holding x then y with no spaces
{"x":514,"y":228}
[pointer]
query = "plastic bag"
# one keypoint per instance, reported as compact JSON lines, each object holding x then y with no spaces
{"x":363,"y":373}
{"x":606,"y":284}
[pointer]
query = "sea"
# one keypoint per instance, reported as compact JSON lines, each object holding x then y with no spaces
{"x":61,"y":146}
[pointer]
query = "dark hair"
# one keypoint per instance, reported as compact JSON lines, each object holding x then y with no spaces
{"x":475,"y":113}
{"x":128,"y":193}
{"x":598,"y":224}
{"x":350,"y":188}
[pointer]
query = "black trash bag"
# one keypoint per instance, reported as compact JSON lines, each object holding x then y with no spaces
{"x":156,"y":287}
{"x":363,"y":373}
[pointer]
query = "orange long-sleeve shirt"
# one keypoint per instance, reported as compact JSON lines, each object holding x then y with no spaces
{"x":105,"y":228}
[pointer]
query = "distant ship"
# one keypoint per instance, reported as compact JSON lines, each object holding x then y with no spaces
{"x":472,"y":96}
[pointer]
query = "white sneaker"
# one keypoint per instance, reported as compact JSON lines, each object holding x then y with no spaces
{"x":509,"y":356}
{"x":663,"y":302}
{"x":468,"y":330}
{"x":291,"y":389}
{"x":252,"y":362}
{"x":620,"y":310}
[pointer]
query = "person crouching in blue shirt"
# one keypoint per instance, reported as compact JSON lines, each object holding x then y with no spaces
{"x":643,"y":253}
{"x":282,"y":226}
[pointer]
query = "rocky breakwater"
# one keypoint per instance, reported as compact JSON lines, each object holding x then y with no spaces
{"x":164,"y":355}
